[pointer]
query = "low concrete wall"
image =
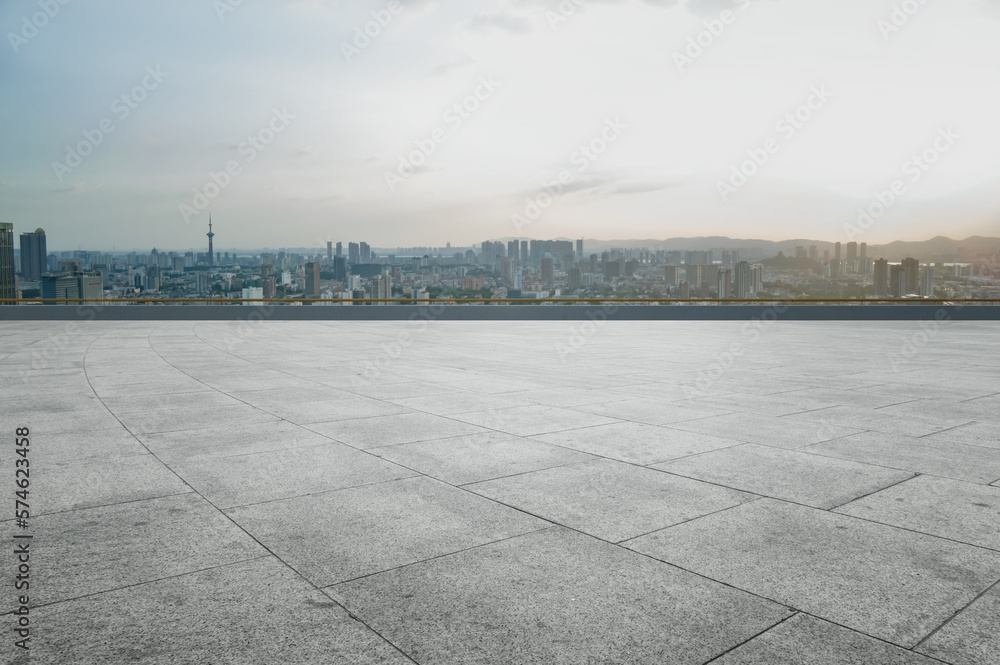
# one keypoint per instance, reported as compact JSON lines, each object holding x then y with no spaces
{"x":503,"y":313}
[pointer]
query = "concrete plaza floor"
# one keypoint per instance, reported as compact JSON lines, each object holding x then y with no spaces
{"x":506,"y":492}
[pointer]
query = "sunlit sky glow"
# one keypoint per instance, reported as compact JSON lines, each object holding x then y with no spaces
{"x":323,"y":177}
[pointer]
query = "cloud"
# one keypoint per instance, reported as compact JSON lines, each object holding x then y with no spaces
{"x":447,"y":67}
{"x":487,"y":21}
{"x":642,"y":187}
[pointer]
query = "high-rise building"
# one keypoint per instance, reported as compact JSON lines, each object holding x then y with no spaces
{"x":524,"y":252}
{"x":743,"y":282}
{"x":353,"y":253}
{"x":852,"y":256}
{"x":575,"y":278}
{"x":312,"y":280}
{"x":593,"y":263}
{"x":548,"y":272}
{"x":814,"y":252}
{"x":579,"y":249}
{"x":329,"y":251}
{"x":339,"y":268}
{"x":366,"y":253}
{"x":60,"y":286}
{"x":835,"y":266}
{"x":340,"y":249}
{"x":725,"y":283}
{"x":8,"y":283}
{"x":672,"y":275}
{"x":881,"y":278}
{"x":911,"y":268}
{"x":513,"y":252}
{"x":33,"y":256}
{"x":927,"y":282}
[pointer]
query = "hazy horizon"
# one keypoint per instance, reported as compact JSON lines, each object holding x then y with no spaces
{"x":310,"y":117}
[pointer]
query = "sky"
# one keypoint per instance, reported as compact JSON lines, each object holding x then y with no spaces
{"x":416,"y":123}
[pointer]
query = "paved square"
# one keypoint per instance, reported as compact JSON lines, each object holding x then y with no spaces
{"x":295,"y":495}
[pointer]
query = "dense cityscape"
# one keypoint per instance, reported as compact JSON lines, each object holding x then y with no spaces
{"x":510,"y":269}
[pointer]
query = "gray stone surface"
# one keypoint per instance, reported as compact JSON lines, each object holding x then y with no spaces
{"x":923,"y":455}
{"x":100,"y":549}
{"x":183,"y":419}
{"x":365,"y":530}
{"x":73,"y":484}
{"x":228,"y":440}
{"x":971,"y":638}
{"x":366,"y":433}
{"x":961,"y":511}
{"x":974,"y":434}
{"x":304,"y":413}
{"x":608,"y":499}
{"x":766,"y":430}
{"x":792,"y":475}
{"x":805,"y":640}
{"x":885,"y":420}
{"x":653,"y":412}
{"x":636,"y":443}
{"x":256,"y":611}
{"x":554,"y":598}
{"x":529,"y":420}
{"x":453,"y":576}
{"x":885,"y":582}
{"x":280,"y":474}
{"x":467,"y":459}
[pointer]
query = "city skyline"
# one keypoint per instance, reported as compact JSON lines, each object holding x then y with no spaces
{"x":500,"y":119}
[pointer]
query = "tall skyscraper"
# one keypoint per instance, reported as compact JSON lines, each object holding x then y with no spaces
{"x":366,"y":253}
{"x":548,"y":272}
{"x":353,"y":253}
{"x":911,"y":268}
{"x":743,"y":283}
{"x":593,"y":263}
{"x":312,"y":280}
{"x":927,"y":282}
{"x":34,"y":260}
{"x":835,"y":266}
{"x":575,"y":278}
{"x":852,"y":256}
{"x":579,"y":249}
{"x":329,"y":251}
{"x":881,"y":278}
{"x":211,"y":235}
{"x":340,"y":249}
{"x":8,"y":285}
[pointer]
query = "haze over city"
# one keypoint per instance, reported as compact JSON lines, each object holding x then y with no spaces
{"x":422,"y":123}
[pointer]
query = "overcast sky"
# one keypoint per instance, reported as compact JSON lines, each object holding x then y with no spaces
{"x":314,"y":121}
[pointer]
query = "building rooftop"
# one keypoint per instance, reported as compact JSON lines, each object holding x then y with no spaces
{"x":507,"y":492}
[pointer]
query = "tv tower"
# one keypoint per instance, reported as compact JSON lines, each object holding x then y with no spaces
{"x":211,"y":253}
